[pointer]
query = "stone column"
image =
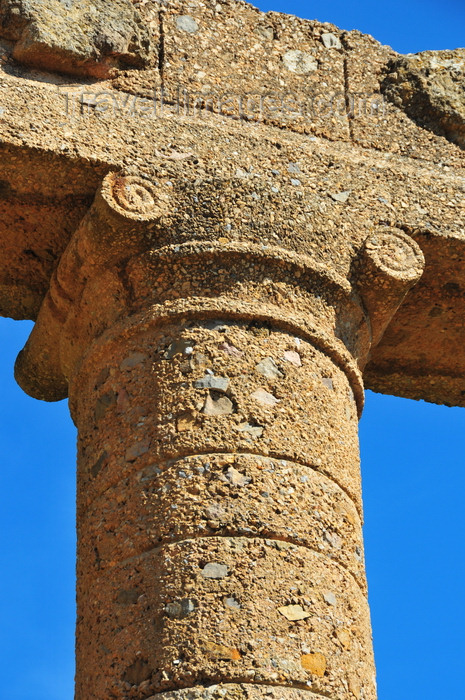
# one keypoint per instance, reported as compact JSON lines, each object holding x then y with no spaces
{"x":216,"y":389}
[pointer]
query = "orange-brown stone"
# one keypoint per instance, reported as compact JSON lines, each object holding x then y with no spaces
{"x":218,"y":253}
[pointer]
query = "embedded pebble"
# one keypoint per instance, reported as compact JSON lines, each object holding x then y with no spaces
{"x":331,"y":41}
{"x":300,"y":62}
{"x":231,"y":350}
{"x":333,"y":539}
{"x":179,"y":347}
{"x":265,"y":32}
{"x":268,"y":368}
{"x":293,"y":612}
{"x":344,"y":637}
{"x":235,"y":478}
{"x":180,"y":609}
{"x":221,"y":406}
{"x":341,"y":196}
{"x":212,"y":382}
{"x":264,"y":397}
{"x":186,"y":23}
{"x":330,"y":598}
{"x":314,"y":663}
{"x":214,"y":570}
{"x":232,"y":603}
{"x":293,"y":357}
{"x":255,"y":431}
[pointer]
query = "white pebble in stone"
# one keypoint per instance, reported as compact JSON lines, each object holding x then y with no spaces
{"x":331,"y":41}
{"x":341,"y":196}
{"x":186,"y":23}
{"x":300,"y":62}
{"x":232,"y":603}
{"x":330,"y":598}
{"x":214,"y":570}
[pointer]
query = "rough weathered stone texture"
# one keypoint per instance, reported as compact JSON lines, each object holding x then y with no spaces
{"x":129,"y":577}
{"x":152,"y":521}
{"x":240,"y":691}
{"x":88,"y":37}
{"x":398,"y":174}
{"x":218,"y":246}
{"x":429,"y":86}
{"x":216,"y":389}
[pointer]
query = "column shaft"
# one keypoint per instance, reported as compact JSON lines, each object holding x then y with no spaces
{"x":219,"y":517}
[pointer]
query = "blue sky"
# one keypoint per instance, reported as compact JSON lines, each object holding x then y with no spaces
{"x":413,"y":475}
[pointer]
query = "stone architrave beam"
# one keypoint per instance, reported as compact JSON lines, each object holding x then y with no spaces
{"x":224,"y":223}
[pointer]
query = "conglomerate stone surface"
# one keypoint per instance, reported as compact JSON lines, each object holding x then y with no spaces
{"x":210,"y":475}
{"x":217,"y":389}
{"x":305,"y":110}
{"x":86,"y":37}
{"x":430,"y":87}
{"x":237,"y":691}
{"x":223,"y":221}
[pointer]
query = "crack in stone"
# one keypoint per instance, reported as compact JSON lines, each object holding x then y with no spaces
{"x":349,"y":107}
{"x":161,"y":48}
